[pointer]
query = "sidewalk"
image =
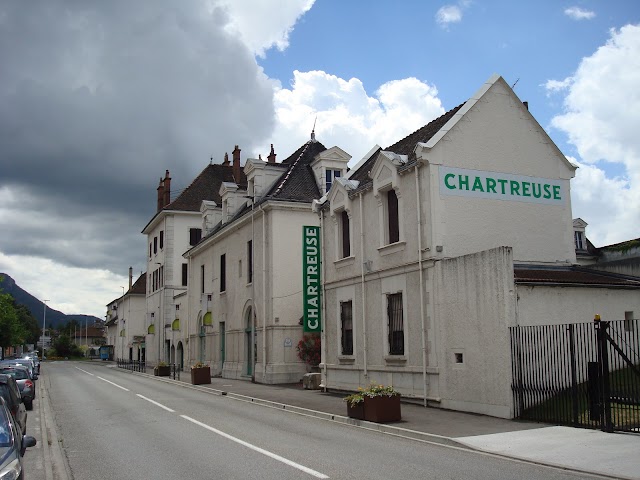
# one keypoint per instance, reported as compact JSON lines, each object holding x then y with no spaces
{"x":615,"y":455}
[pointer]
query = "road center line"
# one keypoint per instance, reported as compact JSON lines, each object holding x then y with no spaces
{"x":88,"y":373}
{"x":114,"y":384}
{"x":155,"y":403}
{"x":257,"y":449}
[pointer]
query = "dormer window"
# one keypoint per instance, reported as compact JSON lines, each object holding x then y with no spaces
{"x":580,"y":242}
{"x":330,"y":175}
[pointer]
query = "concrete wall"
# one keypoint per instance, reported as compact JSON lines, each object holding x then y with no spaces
{"x":553,"y":305}
{"x":475,"y":306}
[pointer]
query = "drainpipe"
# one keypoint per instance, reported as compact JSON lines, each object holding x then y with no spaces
{"x":364,"y":321}
{"x":424,"y":342}
{"x":264,"y":295}
{"x":189,"y":313}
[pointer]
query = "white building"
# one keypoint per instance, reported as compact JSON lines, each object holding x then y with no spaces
{"x":176,"y":226}
{"x":245,"y":277}
{"x":438,"y":244}
{"x":126,"y":321}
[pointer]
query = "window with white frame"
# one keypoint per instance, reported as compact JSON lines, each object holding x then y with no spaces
{"x":395,"y":324}
{"x":346,"y":327}
{"x":579,"y":240}
{"x":344,"y":235}
{"x":330,"y":175}
{"x":392,"y":220}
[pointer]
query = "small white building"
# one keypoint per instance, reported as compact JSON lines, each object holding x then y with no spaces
{"x":438,"y":244}
{"x":126,"y":321}
{"x":245,"y":279}
{"x":176,"y":226}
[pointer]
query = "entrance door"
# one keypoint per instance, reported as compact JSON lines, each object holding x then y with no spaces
{"x":248,"y":343}
{"x":202,"y":339}
{"x":222,"y":344}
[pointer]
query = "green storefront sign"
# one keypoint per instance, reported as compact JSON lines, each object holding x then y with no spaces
{"x":311,"y":278}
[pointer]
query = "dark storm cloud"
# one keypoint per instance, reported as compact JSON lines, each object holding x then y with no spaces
{"x":98,"y":99}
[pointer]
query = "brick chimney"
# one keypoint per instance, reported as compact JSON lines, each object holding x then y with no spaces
{"x":236,"y":164}
{"x":272,"y":156}
{"x":167,"y":189}
{"x":160,"y":195}
{"x":226,"y":159}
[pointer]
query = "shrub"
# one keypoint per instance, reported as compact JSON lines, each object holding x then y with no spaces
{"x":309,"y":349}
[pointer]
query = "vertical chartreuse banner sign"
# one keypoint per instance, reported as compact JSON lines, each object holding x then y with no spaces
{"x":311,"y":278}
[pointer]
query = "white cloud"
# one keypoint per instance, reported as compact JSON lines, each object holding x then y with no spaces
{"x":347,"y":116}
{"x":577,"y":13}
{"x":263,"y":24}
{"x":601,"y":115}
{"x":553,"y":86}
{"x":69,"y":290}
{"x":449,"y":14}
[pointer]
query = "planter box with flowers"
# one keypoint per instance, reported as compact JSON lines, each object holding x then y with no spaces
{"x":376,"y":403}
{"x":200,"y":374}
{"x":162,"y":370}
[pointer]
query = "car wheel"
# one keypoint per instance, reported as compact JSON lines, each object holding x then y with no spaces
{"x":29,"y":405}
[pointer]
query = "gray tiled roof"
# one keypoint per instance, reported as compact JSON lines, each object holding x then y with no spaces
{"x":405,"y":146}
{"x":205,"y":186}
{"x":573,"y":276}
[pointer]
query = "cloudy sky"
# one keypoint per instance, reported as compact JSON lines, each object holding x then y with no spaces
{"x":98,"y":98}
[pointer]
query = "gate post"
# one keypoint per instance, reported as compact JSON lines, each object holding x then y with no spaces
{"x":603,"y":366}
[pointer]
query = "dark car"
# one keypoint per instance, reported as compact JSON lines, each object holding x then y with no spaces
{"x":25,"y":362}
{"x":26,"y":386}
{"x":11,"y":393}
{"x":13,"y":445}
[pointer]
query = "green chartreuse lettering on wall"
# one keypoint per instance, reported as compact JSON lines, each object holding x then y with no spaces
{"x":502,"y":186}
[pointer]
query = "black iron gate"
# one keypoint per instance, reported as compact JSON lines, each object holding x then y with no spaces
{"x":583,"y":374}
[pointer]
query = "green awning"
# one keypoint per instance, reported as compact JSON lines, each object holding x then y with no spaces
{"x":207,"y":320}
{"x":152,"y":329}
{"x":122,"y":333}
{"x":176,"y":324}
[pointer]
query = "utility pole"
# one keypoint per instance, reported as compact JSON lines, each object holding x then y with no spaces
{"x":44,"y":324}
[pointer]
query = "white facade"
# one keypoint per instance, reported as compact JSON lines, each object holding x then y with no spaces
{"x":429,"y":298}
{"x":165,"y":282}
{"x":126,"y":322}
{"x":259,"y":289}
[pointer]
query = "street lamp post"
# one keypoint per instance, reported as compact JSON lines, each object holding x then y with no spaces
{"x":44,"y":324}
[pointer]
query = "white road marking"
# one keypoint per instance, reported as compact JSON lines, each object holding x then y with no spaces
{"x":155,"y":403}
{"x":114,"y":384}
{"x":258,"y":449}
{"x":88,"y":373}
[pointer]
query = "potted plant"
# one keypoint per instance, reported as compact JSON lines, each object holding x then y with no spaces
{"x":376,"y":403}
{"x":162,"y":370}
{"x":309,"y":351}
{"x":200,"y":374}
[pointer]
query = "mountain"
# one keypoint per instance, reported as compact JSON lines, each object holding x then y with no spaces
{"x":36,"y":307}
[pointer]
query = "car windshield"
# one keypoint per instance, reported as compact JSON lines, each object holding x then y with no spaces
{"x":5,"y":429}
{"x":16,"y":373}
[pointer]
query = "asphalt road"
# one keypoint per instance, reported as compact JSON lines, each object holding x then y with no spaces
{"x":112,"y":424}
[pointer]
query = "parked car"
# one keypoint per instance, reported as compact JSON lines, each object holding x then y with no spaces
{"x":13,"y":445}
{"x":26,"y":386}
{"x":25,"y":362}
{"x":36,"y":361}
{"x":11,"y":393}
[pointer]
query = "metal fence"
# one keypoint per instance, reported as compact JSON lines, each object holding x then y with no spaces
{"x":584,"y":374}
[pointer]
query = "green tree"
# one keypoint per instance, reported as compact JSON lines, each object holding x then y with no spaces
{"x":30,"y":329}
{"x":9,"y":326}
{"x":64,"y":347}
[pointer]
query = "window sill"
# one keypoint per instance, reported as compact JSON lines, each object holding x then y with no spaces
{"x":392,"y":248}
{"x":223,"y":293}
{"x":395,"y":359}
{"x":346,"y":359}
{"x":345,"y":262}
